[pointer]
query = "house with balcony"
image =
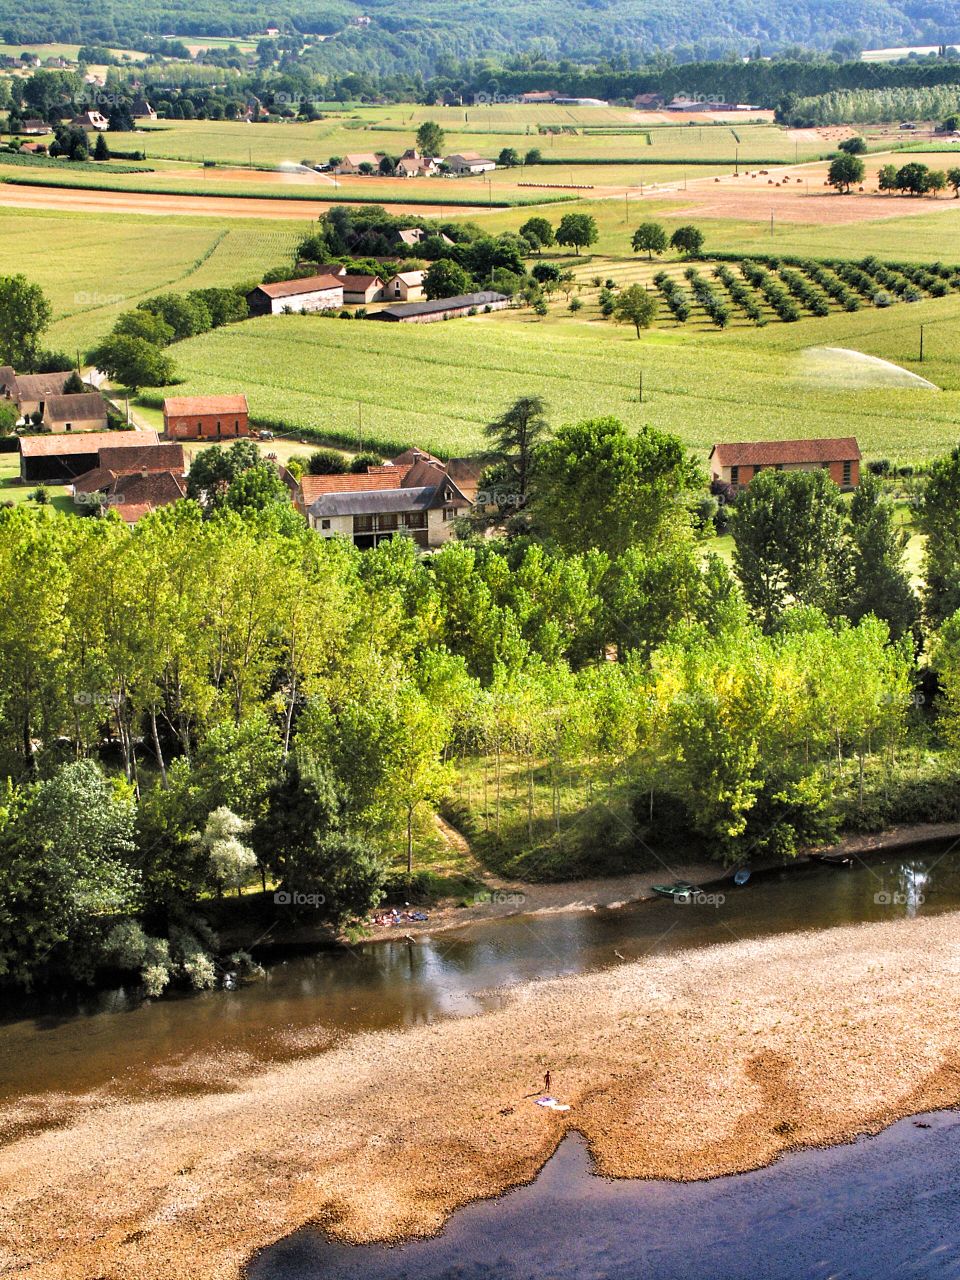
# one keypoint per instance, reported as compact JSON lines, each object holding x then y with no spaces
{"x":415,"y":495}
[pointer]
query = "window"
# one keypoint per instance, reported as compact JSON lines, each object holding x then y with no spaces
{"x":199,"y":428}
{"x":415,"y":520}
{"x":69,"y":426}
{"x":779,"y":466}
{"x":757,"y":470}
{"x":734,"y":475}
{"x":449,"y":513}
{"x":218,"y":427}
{"x":847,"y":471}
{"x":324,"y":524}
{"x":363,"y":524}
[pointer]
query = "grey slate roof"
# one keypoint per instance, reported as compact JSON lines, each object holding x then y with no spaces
{"x":433,"y":305}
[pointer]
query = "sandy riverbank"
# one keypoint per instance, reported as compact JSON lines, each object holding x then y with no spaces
{"x":505,"y":897}
{"x":750,"y":1048}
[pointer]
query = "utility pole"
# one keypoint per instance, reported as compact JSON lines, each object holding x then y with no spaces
{"x":771,"y":222}
{"x":641,"y":386}
{"x":921,"y":344}
{"x":360,"y":421}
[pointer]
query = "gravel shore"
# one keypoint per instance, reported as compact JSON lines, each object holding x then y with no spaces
{"x":682,"y":1066}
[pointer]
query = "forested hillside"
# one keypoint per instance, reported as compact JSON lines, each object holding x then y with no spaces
{"x":423,"y":36}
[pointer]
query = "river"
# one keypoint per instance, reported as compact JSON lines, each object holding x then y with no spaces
{"x":114,"y":1042}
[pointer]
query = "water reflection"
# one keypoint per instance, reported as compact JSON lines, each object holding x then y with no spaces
{"x":136,"y":1047}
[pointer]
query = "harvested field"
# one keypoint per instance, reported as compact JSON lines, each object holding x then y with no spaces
{"x":77,"y":199}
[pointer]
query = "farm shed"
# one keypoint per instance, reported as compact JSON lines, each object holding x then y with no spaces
{"x":311,"y":293}
{"x":441,"y":308}
{"x":60,"y":459}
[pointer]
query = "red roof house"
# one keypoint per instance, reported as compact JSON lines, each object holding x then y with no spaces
{"x":737,"y":464}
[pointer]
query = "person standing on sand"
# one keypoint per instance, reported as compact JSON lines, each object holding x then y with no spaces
{"x":546,"y":1082}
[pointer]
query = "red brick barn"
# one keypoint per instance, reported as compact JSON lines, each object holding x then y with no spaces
{"x":205,"y":417}
{"x":737,"y":464}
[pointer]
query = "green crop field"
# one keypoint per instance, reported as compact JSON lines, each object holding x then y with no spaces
{"x":93,"y":268}
{"x":436,"y":385}
{"x":487,"y":129}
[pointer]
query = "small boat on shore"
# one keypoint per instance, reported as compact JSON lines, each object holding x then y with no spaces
{"x":832,"y":859}
{"x":679,"y":889}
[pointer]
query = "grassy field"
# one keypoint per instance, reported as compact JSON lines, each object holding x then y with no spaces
{"x":328,"y":375}
{"x":67,"y":51}
{"x":92,"y":269}
{"x":486,"y":129}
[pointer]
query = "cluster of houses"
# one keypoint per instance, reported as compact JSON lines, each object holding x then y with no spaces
{"x":415,"y":493}
{"x":414,"y":165}
{"x":140,"y":109}
{"x":333,"y":287}
{"x":42,"y":402}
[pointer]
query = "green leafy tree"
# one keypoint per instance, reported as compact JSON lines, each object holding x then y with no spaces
{"x":326,"y":462}
{"x":634,"y":305}
{"x":855,"y":146}
{"x":936,"y":181}
{"x":789,"y":546}
{"x":914,"y":178}
{"x":938,"y":517}
{"x":24,"y":316}
{"x":446,"y":279}
{"x":8,"y":418}
{"x":953,"y":178}
{"x":186,"y":315}
{"x":577,"y":229}
{"x":687,"y":240}
{"x":257,"y":488}
{"x":879,"y":576}
{"x":599,"y":486}
{"x":845,"y":172}
{"x":515,"y":435}
{"x":649,"y":238}
{"x":101,"y":151}
{"x":231,"y":861}
{"x":132,"y":362}
{"x":214,"y":469}
{"x":66,"y":848}
{"x":431,"y":140}
{"x":508,"y":158}
{"x":533,"y":156}
{"x":539,"y":231}
{"x":145,"y":325}
{"x":887,"y":177}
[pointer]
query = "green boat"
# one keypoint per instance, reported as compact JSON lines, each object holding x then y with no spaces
{"x":679,"y":889}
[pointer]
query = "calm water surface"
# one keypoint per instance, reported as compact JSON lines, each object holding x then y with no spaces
{"x":884,"y":1208}
{"x":114,"y":1041}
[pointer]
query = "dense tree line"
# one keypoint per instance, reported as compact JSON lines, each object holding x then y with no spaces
{"x":218,"y":693}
